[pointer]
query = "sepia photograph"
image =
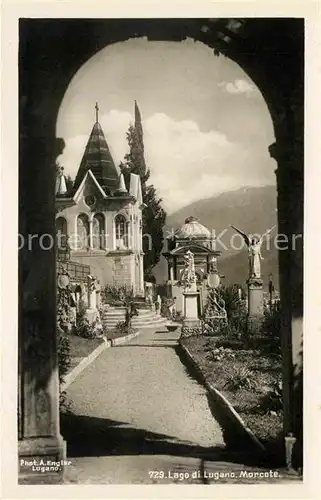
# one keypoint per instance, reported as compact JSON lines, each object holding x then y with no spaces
{"x":161,"y":231}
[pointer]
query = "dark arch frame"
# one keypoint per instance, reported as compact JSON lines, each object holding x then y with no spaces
{"x":270,"y":51}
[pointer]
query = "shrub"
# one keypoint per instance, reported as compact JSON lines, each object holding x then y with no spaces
{"x":84,"y":328}
{"x":117,"y":294}
{"x":271,"y":325}
{"x":234,"y":344}
{"x":62,"y":325}
{"x":267,"y":345}
{"x":272,"y":402}
{"x":122,"y":327}
{"x":241,"y":377}
{"x":234,"y":305}
{"x":64,"y":358}
{"x":220,"y":354}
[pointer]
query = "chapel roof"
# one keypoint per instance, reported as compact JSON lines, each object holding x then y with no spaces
{"x":97,"y":158}
{"x":192,"y":229}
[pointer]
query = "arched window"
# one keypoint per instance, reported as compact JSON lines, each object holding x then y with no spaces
{"x":98,"y":236}
{"x":82,"y":232}
{"x":62,"y":239}
{"x":121,"y":229}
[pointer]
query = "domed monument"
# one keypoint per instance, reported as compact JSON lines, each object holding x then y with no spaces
{"x":194,"y":237}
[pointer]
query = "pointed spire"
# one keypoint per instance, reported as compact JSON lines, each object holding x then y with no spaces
{"x":98,"y":159}
{"x":61,"y":185}
{"x":138,"y":125}
{"x":122,"y":186}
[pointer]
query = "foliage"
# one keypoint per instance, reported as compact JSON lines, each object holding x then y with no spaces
{"x":272,"y":402}
{"x":64,"y":313}
{"x":119,"y":294}
{"x":236,"y":312}
{"x":125,"y":327}
{"x":167,"y":302}
{"x":191,"y":331}
{"x":242,"y":377}
{"x":235,"y":309}
{"x":234,"y":305}
{"x":154,"y":215}
{"x":64,"y":358}
{"x":178,"y":317}
{"x":131,"y":311}
{"x":83,"y":327}
{"x":221,"y":354}
{"x":63,"y":317}
{"x":230,"y":343}
{"x":65,"y":405}
{"x":219,"y":328}
{"x":271,"y":325}
{"x":251,"y":383}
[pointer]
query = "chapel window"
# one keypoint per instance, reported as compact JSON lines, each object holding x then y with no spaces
{"x":83,"y":232}
{"x":121,"y":227}
{"x":98,"y":237}
{"x":62,"y":239}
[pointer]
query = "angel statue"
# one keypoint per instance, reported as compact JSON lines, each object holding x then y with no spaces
{"x":254,"y":244}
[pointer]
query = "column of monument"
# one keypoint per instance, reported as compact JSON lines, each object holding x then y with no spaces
{"x":191,"y":320}
{"x":254,"y":281}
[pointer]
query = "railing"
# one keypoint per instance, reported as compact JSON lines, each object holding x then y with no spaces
{"x":75,"y":270}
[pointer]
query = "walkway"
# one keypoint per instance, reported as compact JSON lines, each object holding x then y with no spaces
{"x":139,"y":418}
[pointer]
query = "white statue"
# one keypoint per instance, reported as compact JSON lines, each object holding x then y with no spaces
{"x":188,"y":276}
{"x":254,"y":247}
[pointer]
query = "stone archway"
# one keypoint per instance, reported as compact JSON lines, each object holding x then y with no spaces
{"x":271,"y":51}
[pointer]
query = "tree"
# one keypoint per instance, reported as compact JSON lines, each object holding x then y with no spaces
{"x":154,"y":215}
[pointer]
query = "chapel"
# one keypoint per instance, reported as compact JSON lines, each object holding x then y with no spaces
{"x":198,"y":239}
{"x":99,"y":220}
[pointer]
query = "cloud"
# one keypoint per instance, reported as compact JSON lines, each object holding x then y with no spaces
{"x":238,"y":87}
{"x":186,"y":163}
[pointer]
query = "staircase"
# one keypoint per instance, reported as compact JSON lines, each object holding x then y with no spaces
{"x":145,"y":319}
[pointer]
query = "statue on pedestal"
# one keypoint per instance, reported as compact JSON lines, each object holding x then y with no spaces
{"x":254,"y":247}
{"x":188,"y":276}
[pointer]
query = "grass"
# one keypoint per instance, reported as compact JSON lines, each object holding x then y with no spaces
{"x":81,"y":347}
{"x":246,"y":381}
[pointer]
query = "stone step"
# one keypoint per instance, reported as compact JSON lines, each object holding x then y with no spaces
{"x":123,"y":309}
{"x":136,"y":321}
{"x":120,"y":313}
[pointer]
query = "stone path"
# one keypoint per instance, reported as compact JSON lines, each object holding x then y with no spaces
{"x":139,"y":418}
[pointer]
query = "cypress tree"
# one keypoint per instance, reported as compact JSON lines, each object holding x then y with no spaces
{"x":154,"y":215}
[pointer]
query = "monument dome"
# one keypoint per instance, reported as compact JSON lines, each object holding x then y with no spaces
{"x":192,"y":229}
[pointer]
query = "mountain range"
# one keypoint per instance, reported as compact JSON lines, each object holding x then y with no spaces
{"x":251,"y":209}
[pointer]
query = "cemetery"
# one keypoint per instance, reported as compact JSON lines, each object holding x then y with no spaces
{"x":120,"y":373}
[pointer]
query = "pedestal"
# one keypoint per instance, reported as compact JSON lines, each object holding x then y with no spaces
{"x":191,"y":322}
{"x":92,"y":299}
{"x":255,"y":305}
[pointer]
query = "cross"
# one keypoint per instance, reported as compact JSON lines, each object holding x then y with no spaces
{"x":97,"y":109}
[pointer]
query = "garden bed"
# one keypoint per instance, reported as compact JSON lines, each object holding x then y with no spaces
{"x":247,"y":379}
{"x":81,"y":347}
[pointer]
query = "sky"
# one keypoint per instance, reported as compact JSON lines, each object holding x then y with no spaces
{"x":206,"y":125}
